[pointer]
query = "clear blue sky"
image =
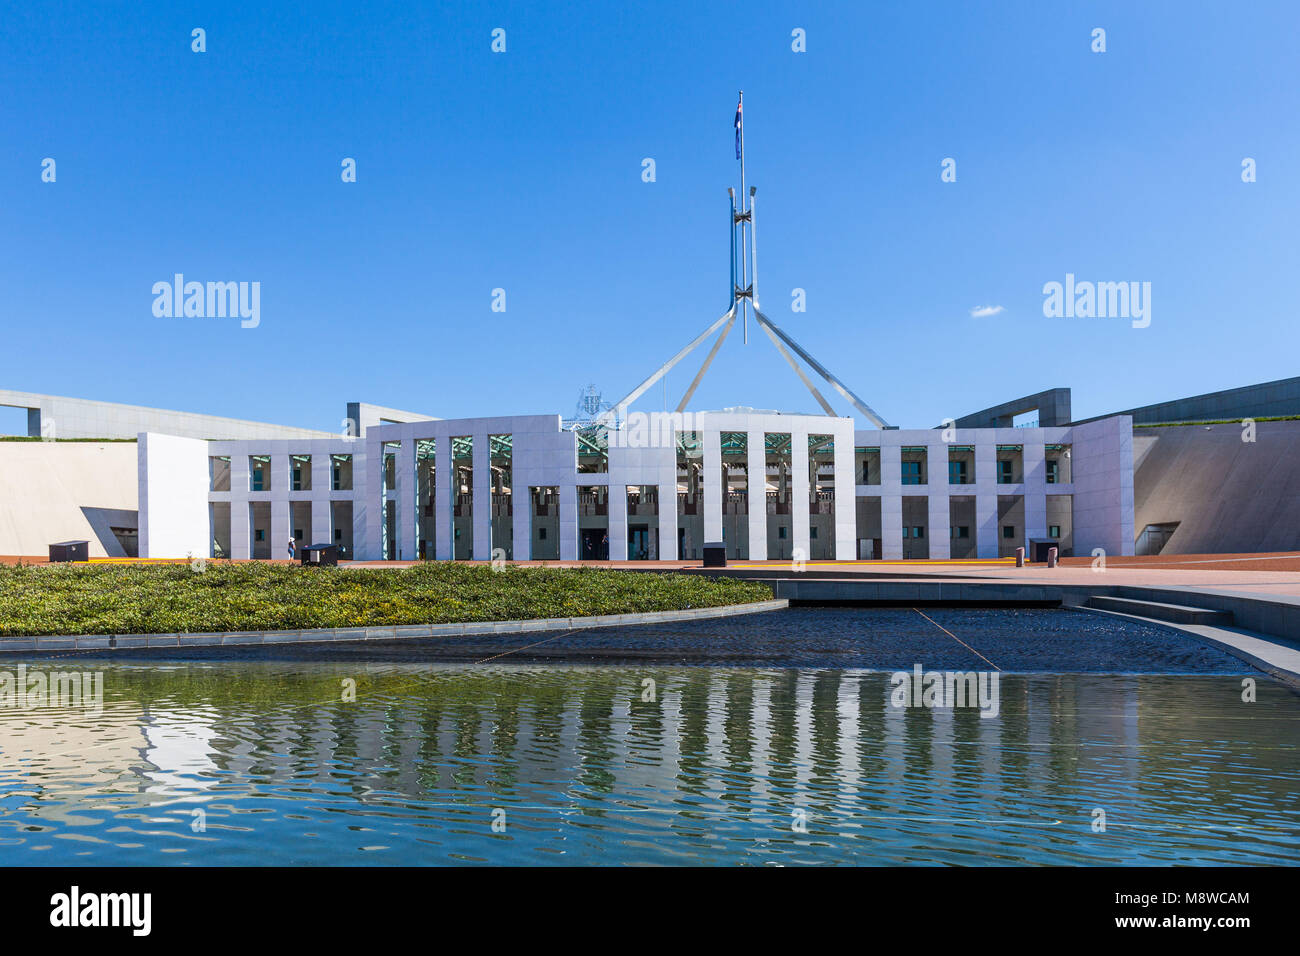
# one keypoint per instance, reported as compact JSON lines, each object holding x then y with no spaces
{"x":522,"y":170}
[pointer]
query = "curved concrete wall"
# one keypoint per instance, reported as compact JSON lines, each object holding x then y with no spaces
{"x":1227,"y":495}
{"x":59,"y":491}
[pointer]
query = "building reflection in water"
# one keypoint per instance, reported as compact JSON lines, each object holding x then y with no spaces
{"x":714,"y":752}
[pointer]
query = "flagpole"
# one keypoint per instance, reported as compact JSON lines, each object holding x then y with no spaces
{"x":744,"y":240}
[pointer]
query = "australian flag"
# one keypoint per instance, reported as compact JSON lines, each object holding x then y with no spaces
{"x":739,"y":106}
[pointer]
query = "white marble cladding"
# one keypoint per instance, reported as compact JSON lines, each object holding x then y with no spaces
{"x":544,"y":455}
{"x":281,"y":496}
{"x":644,"y":453}
{"x":1101,"y":469}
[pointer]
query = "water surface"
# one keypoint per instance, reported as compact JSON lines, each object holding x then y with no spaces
{"x":721,"y":766}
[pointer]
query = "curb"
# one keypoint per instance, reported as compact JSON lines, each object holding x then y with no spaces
{"x":389,"y":632}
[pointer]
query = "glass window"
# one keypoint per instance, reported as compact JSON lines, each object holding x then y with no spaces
{"x":593,"y":450}
{"x":1054,"y":531}
{"x":259,"y":472}
{"x":1008,"y":531}
{"x":300,"y":472}
{"x":1053,"y":469}
{"x":911,"y":472}
{"x":1004,"y":473}
{"x":341,"y":472}
{"x":219,"y":472}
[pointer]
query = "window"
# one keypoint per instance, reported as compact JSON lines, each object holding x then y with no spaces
{"x":1053,"y":470}
{"x":918,"y":532}
{"x":300,"y":472}
{"x":780,"y":532}
{"x":259,"y":535}
{"x":911,"y":472}
{"x":1008,"y":531}
{"x":960,"y":531}
{"x":340,"y":472}
{"x":812,"y":532}
{"x":1054,"y":531}
{"x":956,"y":472}
{"x":1004,"y":473}
{"x":338,"y":534}
{"x":219,"y":472}
{"x":297,"y":533}
{"x":541,"y":534}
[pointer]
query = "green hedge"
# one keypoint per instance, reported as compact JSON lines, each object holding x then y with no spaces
{"x":173,"y":598}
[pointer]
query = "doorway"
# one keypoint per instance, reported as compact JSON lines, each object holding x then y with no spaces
{"x":595,"y":544}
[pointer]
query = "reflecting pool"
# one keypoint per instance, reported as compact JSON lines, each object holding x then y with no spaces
{"x":254,"y":762}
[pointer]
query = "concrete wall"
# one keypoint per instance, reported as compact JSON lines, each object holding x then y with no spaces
{"x":60,"y":491}
{"x":55,"y":416}
{"x":1264,"y":400}
{"x":362,"y":416}
{"x":173,"y":475}
{"x":1103,"y":447}
{"x":281,"y":495}
{"x":1227,"y":495}
{"x":1102,"y":468}
{"x":1052,"y":405}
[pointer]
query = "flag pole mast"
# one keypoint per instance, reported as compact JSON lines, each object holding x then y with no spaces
{"x":744,"y":239}
{"x":744,"y":286}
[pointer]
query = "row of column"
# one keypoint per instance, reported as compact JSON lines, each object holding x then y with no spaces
{"x":985,"y":491}
{"x":279,"y":498}
{"x":628,"y":467}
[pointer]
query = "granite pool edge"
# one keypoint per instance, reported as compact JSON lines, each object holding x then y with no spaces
{"x":391,"y":632}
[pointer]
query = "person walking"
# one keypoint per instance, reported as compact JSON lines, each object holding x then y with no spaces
{"x":291,"y":549}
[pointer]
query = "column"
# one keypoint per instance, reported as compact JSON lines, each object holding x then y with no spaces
{"x":408,"y":548}
{"x":846,"y":496}
{"x":1035,"y":488}
{"x":986,"y":495}
{"x":799,"y":494}
{"x":756,"y":443}
{"x":939,"y":516}
{"x":891,"y":497}
{"x":280,"y":530}
{"x":668,"y":500}
{"x":482,"y":497}
{"x":444,"y":498}
{"x":569,"y":520}
{"x":712,"y":489}
{"x":240,"y":527}
{"x":373,"y":497}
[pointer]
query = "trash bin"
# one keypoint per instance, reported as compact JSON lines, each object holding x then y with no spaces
{"x":70,"y":551}
{"x":321,"y":555}
{"x":715,"y":554}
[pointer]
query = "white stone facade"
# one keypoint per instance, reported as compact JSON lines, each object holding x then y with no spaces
{"x":176,"y":492}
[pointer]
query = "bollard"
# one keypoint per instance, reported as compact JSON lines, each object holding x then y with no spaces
{"x":1020,"y":557}
{"x":1051,"y":557}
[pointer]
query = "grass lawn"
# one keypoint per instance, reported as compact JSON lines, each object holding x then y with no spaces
{"x":172,"y":598}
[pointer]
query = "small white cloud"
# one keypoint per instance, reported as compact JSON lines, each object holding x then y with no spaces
{"x":984,"y":311}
